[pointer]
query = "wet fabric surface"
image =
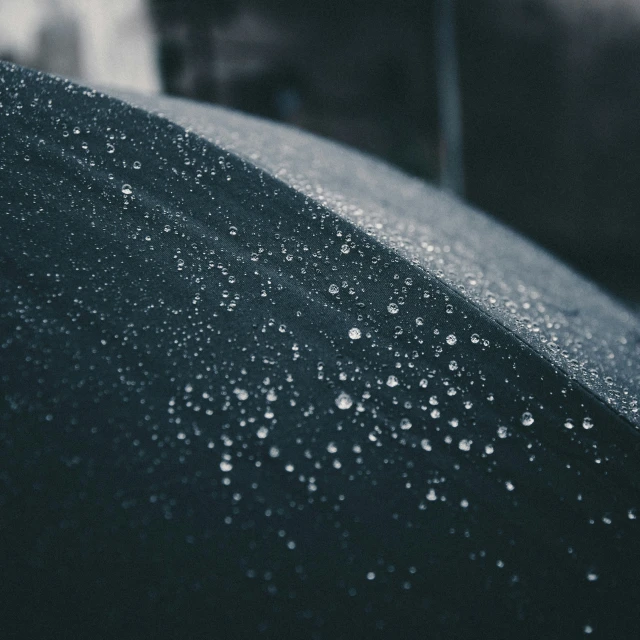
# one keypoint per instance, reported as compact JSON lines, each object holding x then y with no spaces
{"x":561,"y":315}
{"x":229,"y":411}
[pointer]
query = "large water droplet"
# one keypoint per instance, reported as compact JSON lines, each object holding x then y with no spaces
{"x":344,"y":401}
{"x":527,"y":419}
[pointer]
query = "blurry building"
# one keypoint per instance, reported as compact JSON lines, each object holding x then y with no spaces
{"x":100,"y":42}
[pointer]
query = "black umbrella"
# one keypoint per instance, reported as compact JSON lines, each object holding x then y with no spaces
{"x":254,"y":383}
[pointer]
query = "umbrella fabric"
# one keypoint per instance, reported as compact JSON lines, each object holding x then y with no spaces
{"x":254,"y":384}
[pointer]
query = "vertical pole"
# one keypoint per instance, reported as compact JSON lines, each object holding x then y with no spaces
{"x":449,"y":108}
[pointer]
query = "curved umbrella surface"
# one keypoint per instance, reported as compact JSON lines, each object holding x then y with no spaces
{"x":254,"y":383}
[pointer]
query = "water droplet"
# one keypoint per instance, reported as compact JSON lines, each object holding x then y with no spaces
{"x":345,"y":248}
{"x":510,"y":486}
{"x":465,"y":445}
{"x":587,"y":423}
{"x":475,"y":338}
{"x":333,"y":289}
{"x":344,"y":401}
{"x":392,"y":381}
{"x":110,"y":148}
{"x":262,"y":432}
{"x":274,"y":452}
{"x":127,"y":190}
{"x":392,"y":308}
{"x":241,"y":394}
{"x":527,"y":419}
{"x":405,"y":424}
{"x":225,"y":466}
{"x":568,"y":423}
{"x":355,"y":333}
{"x":451,"y":339}
{"x":592,"y":576}
{"x":632,"y":513}
{"x":425,"y":444}
{"x":233,"y":231}
{"x":371,"y":575}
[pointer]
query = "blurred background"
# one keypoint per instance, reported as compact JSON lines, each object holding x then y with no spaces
{"x":527,"y":109}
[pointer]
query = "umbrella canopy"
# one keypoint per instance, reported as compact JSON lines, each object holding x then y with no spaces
{"x":254,"y":383}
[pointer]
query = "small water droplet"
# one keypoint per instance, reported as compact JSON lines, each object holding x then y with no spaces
{"x":392,"y":308}
{"x":527,"y":419}
{"x":392,"y":381}
{"x":451,"y":339}
{"x":355,"y":333}
{"x":333,"y":289}
{"x":587,"y":423}
{"x":344,"y":401}
{"x":241,"y":394}
{"x":127,"y":190}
